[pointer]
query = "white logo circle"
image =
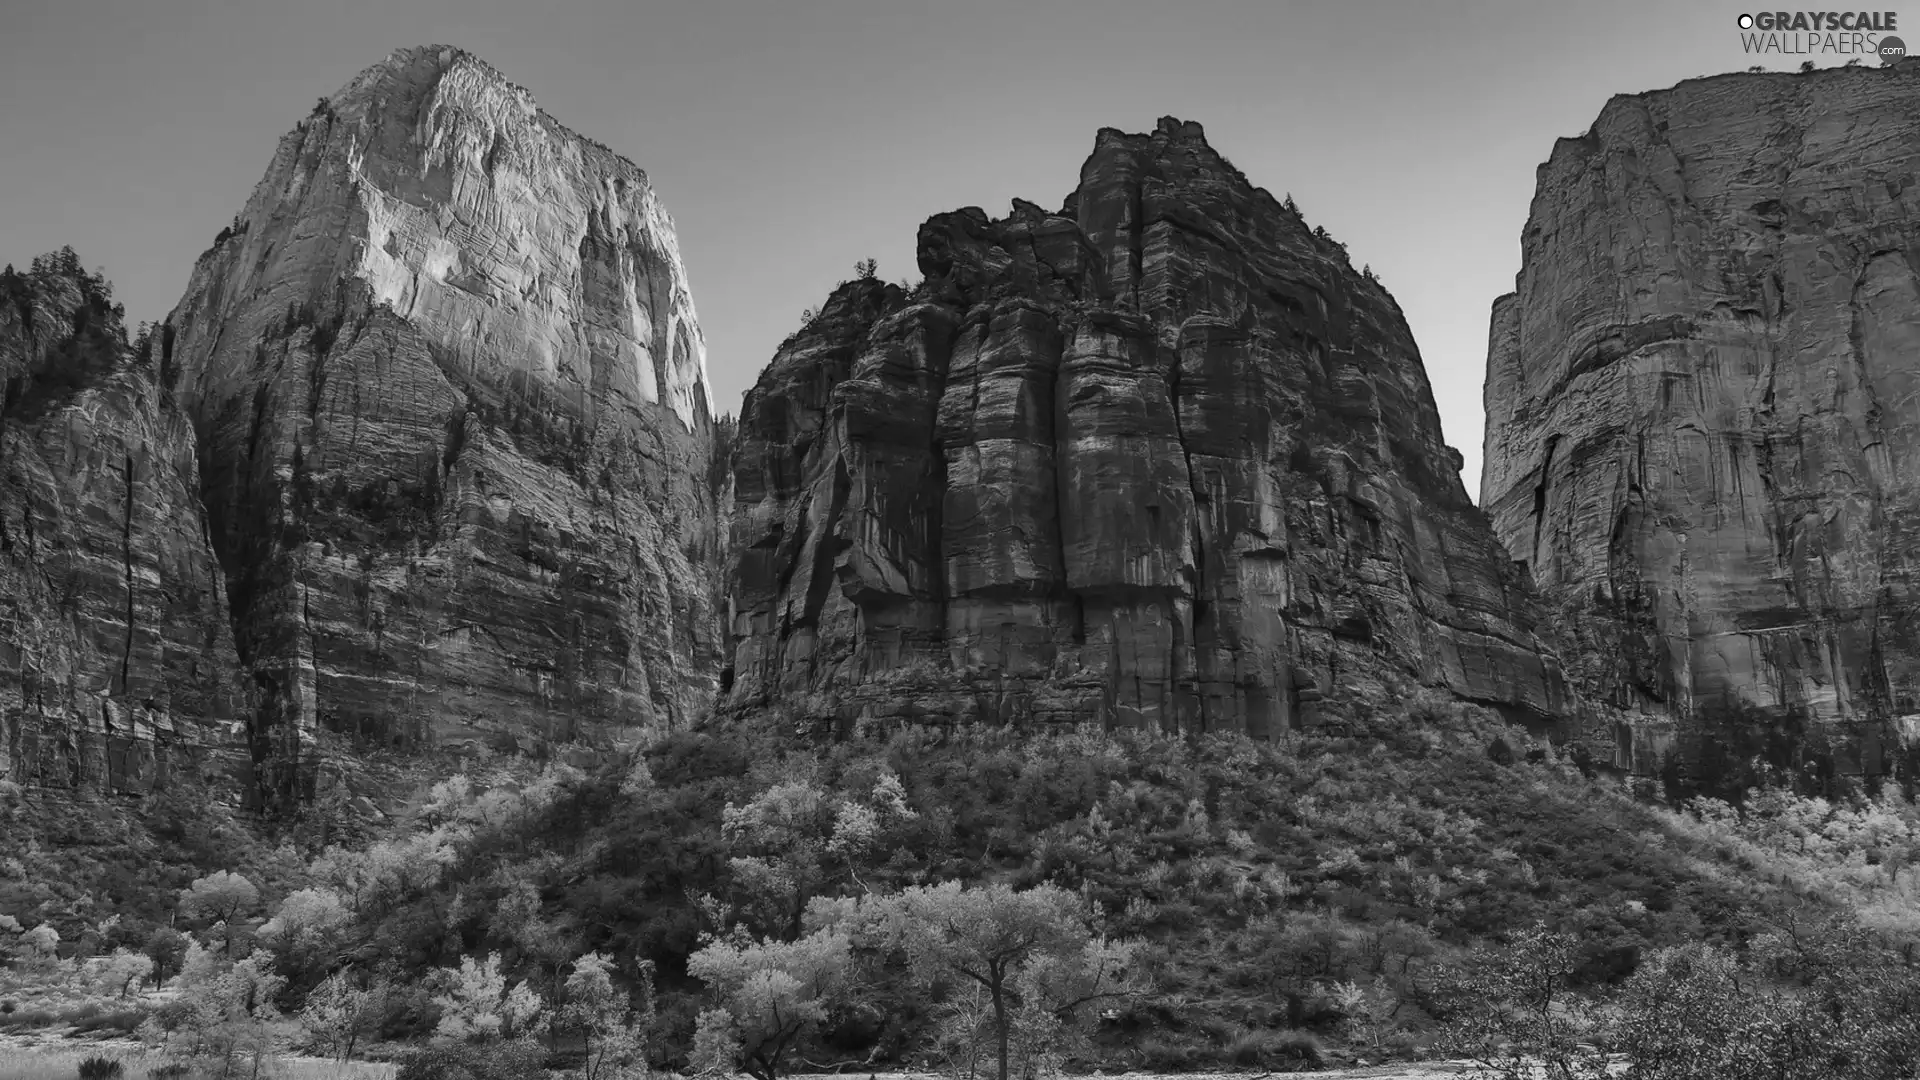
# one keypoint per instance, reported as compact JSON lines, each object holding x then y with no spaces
{"x":1746,"y":22}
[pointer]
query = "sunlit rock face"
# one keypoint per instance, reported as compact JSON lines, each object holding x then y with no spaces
{"x":1703,"y":435}
{"x":1159,"y":459}
{"x":454,"y":429}
{"x":117,"y":668}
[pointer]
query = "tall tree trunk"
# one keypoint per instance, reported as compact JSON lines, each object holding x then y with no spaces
{"x":1000,"y":1020}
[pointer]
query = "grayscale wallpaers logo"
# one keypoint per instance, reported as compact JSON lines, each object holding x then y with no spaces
{"x":1831,"y":33}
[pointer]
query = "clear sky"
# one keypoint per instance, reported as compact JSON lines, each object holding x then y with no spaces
{"x":790,"y":138}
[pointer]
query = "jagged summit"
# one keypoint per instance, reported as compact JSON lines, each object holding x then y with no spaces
{"x":1162,"y":459}
{"x":455,"y":428}
{"x":455,"y":169}
{"x":419,"y":66}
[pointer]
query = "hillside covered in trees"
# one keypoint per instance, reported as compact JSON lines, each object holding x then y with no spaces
{"x":738,"y":898}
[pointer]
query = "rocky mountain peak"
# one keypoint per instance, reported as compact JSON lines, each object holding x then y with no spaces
{"x":1128,"y":462}
{"x":451,"y":398}
{"x":1700,"y":415}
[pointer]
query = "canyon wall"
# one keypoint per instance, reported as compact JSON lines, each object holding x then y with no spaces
{"x":454,"y":431}
{"x":1703,"y":435}
{"x":117,"y":667}
{"x":1161,"y":458}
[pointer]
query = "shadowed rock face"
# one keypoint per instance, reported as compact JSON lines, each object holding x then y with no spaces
{"x":452,"y":411}
{"x":1703,"y":434}
{"x":1161,"y":459}
{"x":117,"y":667}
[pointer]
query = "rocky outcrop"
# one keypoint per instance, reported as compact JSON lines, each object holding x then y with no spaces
{"x":453,"y":424}
{"x":117,"y":667}
{"x":1161,"y":458}
{"x":1703,"y":435}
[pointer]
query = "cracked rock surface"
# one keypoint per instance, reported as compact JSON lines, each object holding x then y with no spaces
{"x":453,"y":429}
{"x":1703,"y":428}
{"x":117,"y":667}
{"x":1161,"y":458}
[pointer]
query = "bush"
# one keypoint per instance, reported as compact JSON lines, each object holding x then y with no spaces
{"x":100,"y":1068}
{"x":1266,"y":1049}
{"x":29,"y":1019}
{"x":124,"y":1020}
{"x":1159,"y":1056}
{"x":175,"y":1071}
{"x":469,"y":1061}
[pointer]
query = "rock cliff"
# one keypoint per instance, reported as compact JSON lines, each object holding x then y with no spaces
{"x":453,"y":427}
{"x":1161,"y":458}
{"x":117,"y":667}
{"x":1703,"y":434}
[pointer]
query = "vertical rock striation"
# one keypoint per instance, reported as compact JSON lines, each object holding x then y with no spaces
{"x":454,"y":431}
{"x":1703,"y":435}
{"x":117,"y":667}
{"x":1159,"y":459}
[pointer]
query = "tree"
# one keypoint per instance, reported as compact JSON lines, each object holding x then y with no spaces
{"x":782,"y":835}
{"x":226,"y":1009}
{"x":769,"y":994}
{"x":477,"y":1004}
{"x":373,"y":881}
{"x":518,"y":919}
{"x":1678,"y":1023}
{"x":220,"y":898}
{"x":337,"y":1013}
{"x":306,"y":922}
{"x":122,"y":969}
{"x":858,"y":826}
{"x":604,"y":1015}
{"x":1031,"y":953}
{"x":716,"y":1044}
{"x":42,"y":943}
{"x":306,"y":916}
{"x":865,"y":269}
{"x":1513,"y":1016}
{"x":166,"y":947}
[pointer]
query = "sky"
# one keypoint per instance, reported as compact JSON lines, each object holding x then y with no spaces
{"x":791,"y":138}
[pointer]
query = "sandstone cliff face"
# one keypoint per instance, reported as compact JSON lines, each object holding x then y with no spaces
{"x":1160,"y":459}
{"x":453,"y":421}
{"x":1703,"y":435}
{"x":117,"y":667}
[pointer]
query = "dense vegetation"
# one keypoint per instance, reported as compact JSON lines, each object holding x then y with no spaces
{"x":740,"y":897}
{"x":70,"y":355}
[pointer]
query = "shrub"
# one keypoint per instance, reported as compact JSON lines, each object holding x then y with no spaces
{"x":1265,"y":1049}
{"x":124,"y":1020}
{"x":177,"y":1070}
{"x":464,"y":1061}
{"x":29,"y":1019}
{"x":1159,"y":1056}
{"x":100,"y":1068}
